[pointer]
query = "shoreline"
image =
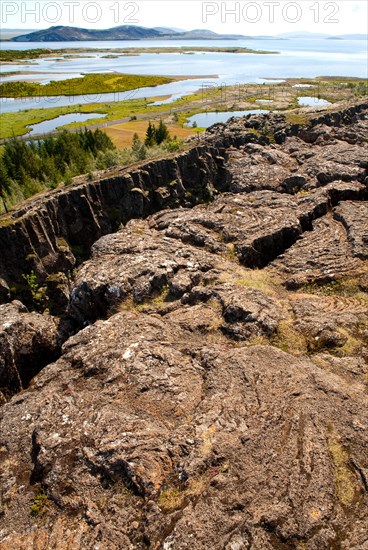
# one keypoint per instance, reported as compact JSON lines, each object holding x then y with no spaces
{"x":280,"y":96}
{"x":15,"y":56}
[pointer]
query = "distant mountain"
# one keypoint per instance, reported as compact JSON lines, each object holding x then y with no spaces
{"x":168,"y":30}
{"x":125,"y":32}
{"x":202,"y":32}
{"x":71,"y":34}
{"x":349,"y":37}
{"x":132,"y":32}
{"x":320,"y":35}
{"x":303,"y":34}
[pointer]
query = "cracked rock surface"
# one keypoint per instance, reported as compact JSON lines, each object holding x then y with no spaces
{"x":214,"y":394}
{"x":28,"y":341}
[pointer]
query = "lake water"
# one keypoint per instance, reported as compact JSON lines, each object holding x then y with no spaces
{"x":205,"y":120}
{"x":50,"y":125}
{"x":41,"y":78}
{"x":312,"y":102}
{"x":304,"y":58}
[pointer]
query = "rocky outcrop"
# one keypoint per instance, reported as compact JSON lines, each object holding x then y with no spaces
{"x":320,"y":256}
{"x":354,"y":217}
{"x":47,"y":235}
{"x":296,"y":166}
{"x":214,"y":394}
{"x":143,"y":435}
{"x":28,"y":342}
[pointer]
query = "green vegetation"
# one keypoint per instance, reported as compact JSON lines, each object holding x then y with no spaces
{"x":31,"y":280}
{"x":89,"y":84}
{"x":297,"y":118}
{"x":289,"y":339}
{"x":22,"y":55}
{"x":155,"y":136}
{"x":5,"y":186}
{"x":17,"y":124}
{"x":27,"y":168}
{"x":32,"y":292}
{"x":238,"y":98}
{"x":348,"y":287}
{"x":191,"y":49}
{"x":39,"y":505}
{"x":343,"y":476}
{"x":359,"y":89}
{"x":13,"y":124}
{"x":14,"y":55}
{"x":139,"y":150}
{"x":174,"y":498}
{"x":350,"y":344}
{"x":150,"y":135}
{"x":254,"y":278}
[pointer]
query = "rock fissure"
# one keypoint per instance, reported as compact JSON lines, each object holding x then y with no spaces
{"x":211,"y":387}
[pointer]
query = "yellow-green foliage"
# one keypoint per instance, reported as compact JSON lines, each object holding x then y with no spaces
{"x":289,"y":339}
{"x":231,"y":254}
{"x":343,"y":476}
{"x":15,"y":55}
{"x":16,"y":124}
{"x":253,"y":278}
{"x":259,"y":340}
{"x":346,"y":286}
{"x":257,"y":278}
{"x":89,"y":84}
{"x":156,"y":302}
{"x":39,"y":505}
{"x":173,"y":498}
{"x":297,"y":118}
{"x":161,"y":298}
{"x":352,"y":345}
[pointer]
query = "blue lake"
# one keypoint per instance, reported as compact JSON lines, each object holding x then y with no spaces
{"x":312,"y":101}
{"x":50,"y":125}
{"x":304,"y":58}
{"x":205,"y":120}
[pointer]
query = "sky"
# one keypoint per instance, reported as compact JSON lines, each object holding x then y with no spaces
{"x":259,"y":17}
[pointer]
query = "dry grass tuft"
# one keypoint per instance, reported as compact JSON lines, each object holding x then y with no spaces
{"x":343,"y":476}
{"x":289,"y":339}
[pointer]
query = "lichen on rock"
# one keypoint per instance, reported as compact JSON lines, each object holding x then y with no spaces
{"x":202,"y":380}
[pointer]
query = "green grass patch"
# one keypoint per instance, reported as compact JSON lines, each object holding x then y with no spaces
{"x":39,"y":505}
{"x":22,"y":55}
{"x":289,"y":339}
{"x":297,"y":118}
{"x":344,"y":479}
{"x":348,"y":287}
{"x":15,"y":124}
{"x":89,"y":84}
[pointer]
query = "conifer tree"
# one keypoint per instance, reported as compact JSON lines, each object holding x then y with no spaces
{"x":28,"y":167}
{"x":150,"y":135}
{"x":5,"y":184}
{"x":162,"y":133}
{"x":138,"y":148}
{"x":136,"y":143}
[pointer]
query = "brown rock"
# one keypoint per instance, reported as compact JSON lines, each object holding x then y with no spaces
{"x":215,"y":395}
{"x":135,"y":425}
{"x":28,"y":341}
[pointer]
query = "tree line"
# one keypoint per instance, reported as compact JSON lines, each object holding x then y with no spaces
{"x":28,"y":167}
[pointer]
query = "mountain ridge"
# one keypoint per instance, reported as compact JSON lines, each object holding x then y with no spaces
{"x":62,"y":33}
